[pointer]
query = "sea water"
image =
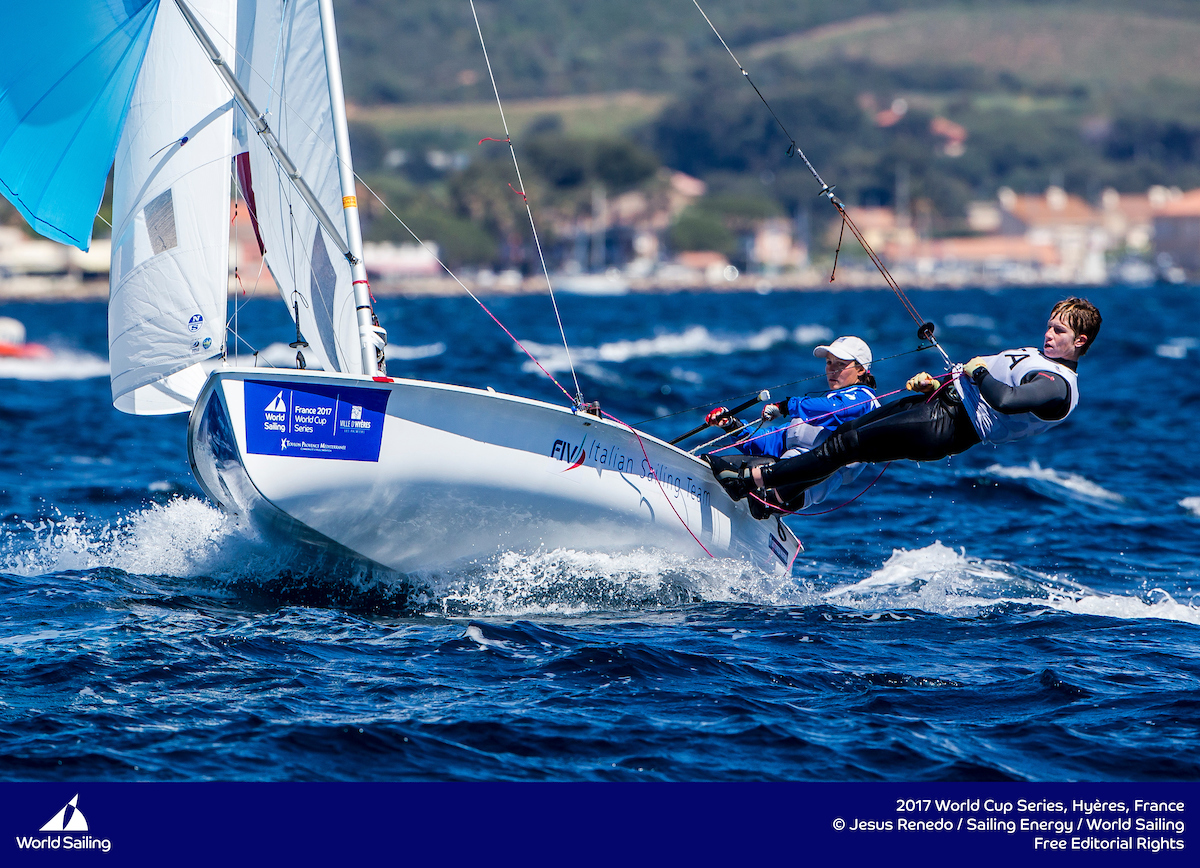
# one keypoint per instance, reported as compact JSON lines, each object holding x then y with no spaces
{"x":1030,"y":612}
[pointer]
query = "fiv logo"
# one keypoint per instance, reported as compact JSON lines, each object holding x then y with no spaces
{"x":68,"y":819}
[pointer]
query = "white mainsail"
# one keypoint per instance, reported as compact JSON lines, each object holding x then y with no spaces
{"x":281,"y":64}
{"x":171,"y":195}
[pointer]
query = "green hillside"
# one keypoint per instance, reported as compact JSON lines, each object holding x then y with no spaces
{"x":1100,"y":49}
{"x":1085,"y":95}
{"x":427,"y":51}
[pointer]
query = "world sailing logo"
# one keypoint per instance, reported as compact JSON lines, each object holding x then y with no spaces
{"x":277,"y":406}
{"x":69,"y":819}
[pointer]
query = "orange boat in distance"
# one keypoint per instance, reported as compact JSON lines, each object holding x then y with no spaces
{"x":12,"y":342}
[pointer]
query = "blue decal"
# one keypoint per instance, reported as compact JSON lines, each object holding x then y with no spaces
{"x":315,"y":421}
{"x":195,"y":322}
{"x":778,"y":549}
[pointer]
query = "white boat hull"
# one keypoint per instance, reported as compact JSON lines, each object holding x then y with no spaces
{"x":418,"y":476}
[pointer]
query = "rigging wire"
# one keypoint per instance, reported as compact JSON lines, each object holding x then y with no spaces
{"x":925,"y":329}
{"x":578,"y":400}
{"x":464,"y":288}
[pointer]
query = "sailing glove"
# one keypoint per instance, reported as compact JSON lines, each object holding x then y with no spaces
{"x":770,"y":412}
{"x":719,"y":417}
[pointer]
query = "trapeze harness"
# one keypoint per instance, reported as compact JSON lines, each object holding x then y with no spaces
{"x":1016,"y":394}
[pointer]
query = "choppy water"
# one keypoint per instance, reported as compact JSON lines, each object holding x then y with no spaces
{"x":1028,"y":613}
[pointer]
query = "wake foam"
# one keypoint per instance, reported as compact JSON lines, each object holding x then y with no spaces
{"x":940,"y":580}
{"x":188,"y":539}
{"x":185,"y":537}
{"x":570,"y":582}
{"x":1053,"y":484}
{"x":63,"y":365}
{"x":1191,"y":504}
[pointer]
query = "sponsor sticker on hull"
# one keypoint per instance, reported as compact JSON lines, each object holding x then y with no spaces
{"x":337,"y":422}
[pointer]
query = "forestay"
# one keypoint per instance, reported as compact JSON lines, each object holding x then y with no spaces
{"x":171,"y":200}
{"x":281,"y":64}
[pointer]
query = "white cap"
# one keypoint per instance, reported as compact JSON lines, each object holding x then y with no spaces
{"x":847,"y":348}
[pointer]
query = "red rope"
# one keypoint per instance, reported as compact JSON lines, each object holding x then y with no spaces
{"x":650,"y":466}
{"x":531,"y":356}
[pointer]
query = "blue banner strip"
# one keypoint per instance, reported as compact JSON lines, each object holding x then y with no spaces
{"x":983,"y":824}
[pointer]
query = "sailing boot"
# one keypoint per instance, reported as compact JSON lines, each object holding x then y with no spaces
{"x":763,"y":503}
{"x":734,"y":474}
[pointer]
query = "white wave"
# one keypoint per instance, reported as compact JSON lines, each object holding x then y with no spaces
{"x":408,"y":353}
{"x":940,"y":580}
{"x":1176,"y":348}
{"x":811,"y":335}
{"x":693,"y":341}
{"x":281,"y":355}
{"x":187,"y":538}
{"x":184,"y":537}
{"x":1049,"y":479}
{"x":970,"y":321}
{"x":63,"y":365}
{"x":276,"y":355}
{"x":570,"y":582}
{"x":1191,"y":504}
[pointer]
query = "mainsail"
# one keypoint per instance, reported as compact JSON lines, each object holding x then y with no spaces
{"x":171,"y":196}
{"x":281,"y":64}
{"x":67,"y":69}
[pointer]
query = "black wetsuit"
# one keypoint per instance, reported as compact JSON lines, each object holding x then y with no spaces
{"x":917,"y":427}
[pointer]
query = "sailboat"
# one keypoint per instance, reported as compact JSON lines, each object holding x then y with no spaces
{"x":406,"y":474}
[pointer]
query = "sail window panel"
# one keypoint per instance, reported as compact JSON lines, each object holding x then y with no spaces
{"x":159,"y":217}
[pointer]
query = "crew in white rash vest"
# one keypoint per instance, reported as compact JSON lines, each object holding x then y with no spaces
{"x":995,"y":399}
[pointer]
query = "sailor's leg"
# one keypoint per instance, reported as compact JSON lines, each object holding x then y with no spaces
{"x":914,"y":427}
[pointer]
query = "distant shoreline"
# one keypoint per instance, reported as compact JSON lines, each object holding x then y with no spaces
{"x":60,"y":289}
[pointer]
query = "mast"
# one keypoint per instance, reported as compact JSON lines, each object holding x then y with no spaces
{"x":371,"y":337}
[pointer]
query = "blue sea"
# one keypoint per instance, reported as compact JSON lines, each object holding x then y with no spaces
{"x":1027,"y":613}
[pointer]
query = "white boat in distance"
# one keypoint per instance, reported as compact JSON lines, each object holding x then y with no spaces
{"x":410,"y":475}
